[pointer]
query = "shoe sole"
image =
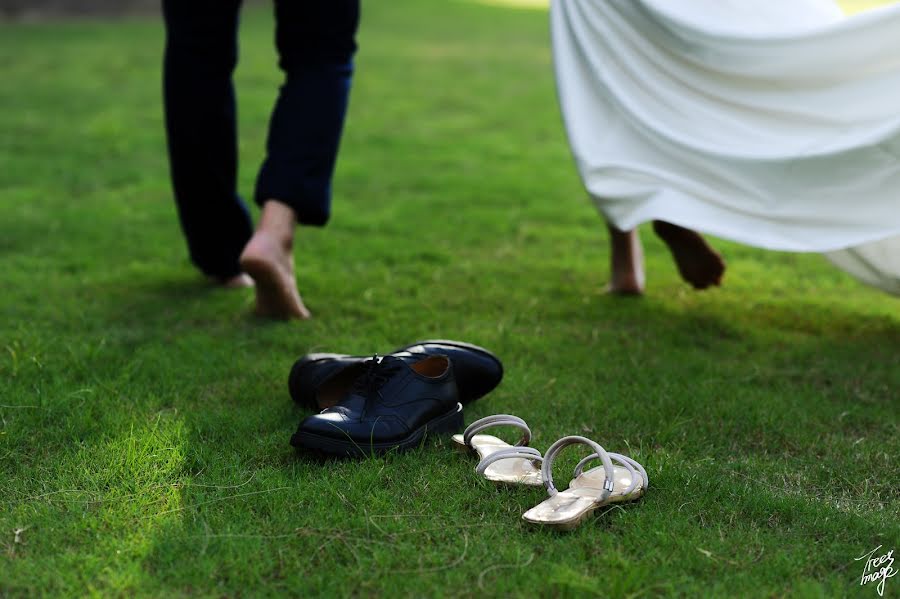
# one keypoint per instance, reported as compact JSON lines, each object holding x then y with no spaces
{"x":447,"y":423}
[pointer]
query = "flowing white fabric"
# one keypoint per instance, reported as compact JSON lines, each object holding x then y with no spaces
{"x":774,"y":123}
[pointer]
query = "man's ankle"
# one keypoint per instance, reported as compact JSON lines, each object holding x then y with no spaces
{"x":279,"y":219}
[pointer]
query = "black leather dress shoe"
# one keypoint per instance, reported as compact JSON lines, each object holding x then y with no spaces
{"x":318,"y":381}
{"x":395,"y":403}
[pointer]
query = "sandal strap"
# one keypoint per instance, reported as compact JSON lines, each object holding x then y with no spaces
{"x":625,"y":459}
{"x":497,"y":420}
{"x":629,"y":464}
{"x":528,"y":453}
{"x":553,"y":451}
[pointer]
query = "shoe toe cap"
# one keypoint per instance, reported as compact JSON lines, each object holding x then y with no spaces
{"x":329,"y":423}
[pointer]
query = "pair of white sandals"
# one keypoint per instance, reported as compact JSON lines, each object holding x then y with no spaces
{"x":620,"y":478}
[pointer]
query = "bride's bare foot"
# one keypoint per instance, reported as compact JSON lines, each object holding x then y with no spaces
{"x":698,"y":263}
{"x":626,"y":262}
{"x":269,"y":259}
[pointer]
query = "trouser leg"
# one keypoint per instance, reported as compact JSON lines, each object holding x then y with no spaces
{"x":316,"y":43}
{"x":200,"y":56}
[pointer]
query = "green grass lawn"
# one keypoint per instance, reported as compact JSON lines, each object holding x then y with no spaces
{"x":144,"y":416}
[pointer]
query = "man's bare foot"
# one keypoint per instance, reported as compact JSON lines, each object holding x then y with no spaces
{"x":269,"y":259}
{"x":626,"y":262}
{"x":236,"y":282}
{"x":698,"y":263}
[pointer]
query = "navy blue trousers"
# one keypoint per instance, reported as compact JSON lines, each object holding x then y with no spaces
{"x":316,"y":42}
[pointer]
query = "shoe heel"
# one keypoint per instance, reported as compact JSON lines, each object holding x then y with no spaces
{"x":299,"y":392}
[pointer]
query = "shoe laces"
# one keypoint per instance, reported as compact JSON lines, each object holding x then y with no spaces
{"x":379,"y":369}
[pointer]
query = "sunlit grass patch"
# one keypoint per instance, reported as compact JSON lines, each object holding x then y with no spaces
{"x":532,"y":4}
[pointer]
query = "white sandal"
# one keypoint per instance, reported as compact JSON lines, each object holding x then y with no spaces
{"x":499,"y":461}
{"x":597,"y":487}
{"x":518,"y":464}
{"x":623,"y":475}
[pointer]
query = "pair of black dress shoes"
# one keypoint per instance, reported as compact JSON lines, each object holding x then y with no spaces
{"x":372,"y":405}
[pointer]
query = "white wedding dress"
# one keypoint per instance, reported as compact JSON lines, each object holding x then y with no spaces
{"x":774,"y":123}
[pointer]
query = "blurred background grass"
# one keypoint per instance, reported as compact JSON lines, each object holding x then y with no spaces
{"x":38,"y":8}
